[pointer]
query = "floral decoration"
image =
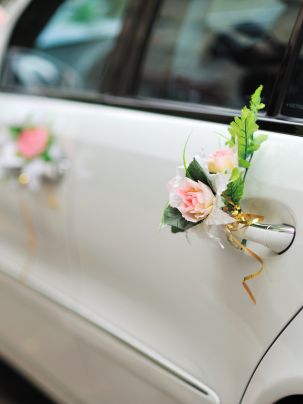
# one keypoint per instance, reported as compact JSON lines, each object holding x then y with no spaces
{"x":30,"y":154}
{"x":208,"y":191}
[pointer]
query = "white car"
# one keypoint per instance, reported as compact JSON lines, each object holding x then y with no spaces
{"x":96,"y":304}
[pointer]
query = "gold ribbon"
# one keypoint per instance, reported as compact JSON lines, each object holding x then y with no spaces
{"x":31,"y":236}
{"x":243,"y":220}
{"x":52,"y":198}
{"x":31,"y":239}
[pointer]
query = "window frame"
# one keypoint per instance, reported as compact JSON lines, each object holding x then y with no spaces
{"x":279,"y":92}
{"x":134,"y":11}
{"x":125,"y":69}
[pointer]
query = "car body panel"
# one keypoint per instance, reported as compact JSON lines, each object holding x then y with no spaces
{"x":45,"y":340}
{"x":157,"y":302}
{"x":281,"y":371}
{"x":36,"y":338}
{"x":182,"y":300}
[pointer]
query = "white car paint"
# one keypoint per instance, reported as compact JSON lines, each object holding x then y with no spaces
{"x":280,"y":373}
{"x":183,"y":301}
{"x":103,"y":261}
{"x":38,"y":339}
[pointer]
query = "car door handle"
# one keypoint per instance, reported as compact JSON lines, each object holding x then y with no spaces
{"x":277,"y":237}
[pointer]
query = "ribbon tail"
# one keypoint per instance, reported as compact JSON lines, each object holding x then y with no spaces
{"x":52,"y":198}
{"x":253,"y":275}
{"x":31,"y":240}
{"x":249,"y":292}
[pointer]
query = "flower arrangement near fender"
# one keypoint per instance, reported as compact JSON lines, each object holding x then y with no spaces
{"x":30,"y":154}
{"x":209,"y":190}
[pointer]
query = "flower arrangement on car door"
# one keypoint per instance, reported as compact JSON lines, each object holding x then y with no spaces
{"x":30,"y":154}
{"x":208,"y":191}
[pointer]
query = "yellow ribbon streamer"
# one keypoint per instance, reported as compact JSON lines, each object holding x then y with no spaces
{"x":31,"y":237}
{"x":243,"y":220}
{"x":31,"y":241}
{"x":52,"y":198}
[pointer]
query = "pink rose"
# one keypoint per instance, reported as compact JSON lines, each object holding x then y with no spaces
{"x":194,"y":200}
{"x":222,"y":160}
{"x":32,"y":142}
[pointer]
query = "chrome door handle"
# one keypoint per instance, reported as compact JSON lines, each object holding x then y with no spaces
{"x":277,"y":237}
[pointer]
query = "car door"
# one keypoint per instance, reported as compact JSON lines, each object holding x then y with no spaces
{"x":46,"y":333}
{"x":184,"y":300}
{"x":178,"y":305}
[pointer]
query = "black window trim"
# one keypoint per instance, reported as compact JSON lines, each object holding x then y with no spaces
{"x":122,"y":95}
{"x":287,"y":125}
{"x":127,"y":64}
{"x":287,"y":67}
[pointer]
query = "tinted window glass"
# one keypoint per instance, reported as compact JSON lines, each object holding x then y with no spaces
{"x":294,"y":98}
{"x":71,"y":50}
{"x":216,"y":51}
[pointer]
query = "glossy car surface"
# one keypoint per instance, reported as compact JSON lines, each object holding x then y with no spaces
{"x":111,"y":310}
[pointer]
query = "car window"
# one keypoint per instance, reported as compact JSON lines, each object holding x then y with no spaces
{"x":216,"y":52}
{"x":71,"y":50}
{"x":293,"y":105}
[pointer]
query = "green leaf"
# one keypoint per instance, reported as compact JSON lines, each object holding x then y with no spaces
{"x":242,"y":128}
{"x":51,"y":140}
{"x":176,"y":230}
{"x":234,"y":191}
{"x":45,"y":156}
{"x":196,"y":173}
{"x":235,"y":174}
{"x":244,"y":163}
{"x":15,"y":131}
{"x":258,"y":140}
{"x":172,"y":217}
{"x":242,"y":135}
{"x":255,"y":101}
{"x":246,"y":126}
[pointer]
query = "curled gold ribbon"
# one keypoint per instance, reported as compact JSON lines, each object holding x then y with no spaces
{"x":243,"y":220}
